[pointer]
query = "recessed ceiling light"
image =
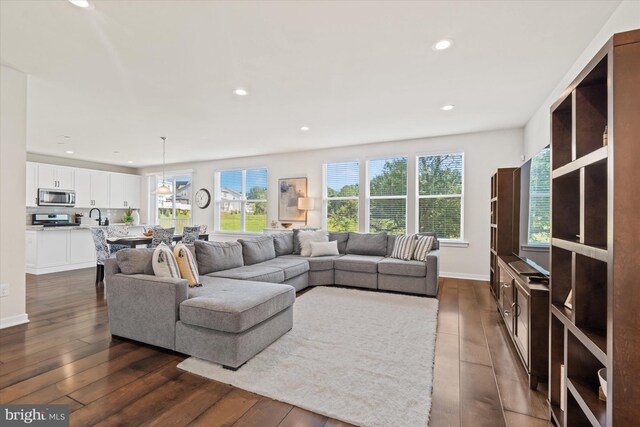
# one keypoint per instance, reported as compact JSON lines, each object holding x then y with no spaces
{"x":447,"y":107}
{"x":60,"y":143}
{"x":443,"y":44}
{"x":129,"y":161}
{"x":66,"y":137}
{"x":304,"y":128}
{"x":80,"y":3}
{"x":116,"y":152}
{"x":69,"y":152}
{"x":241,"y":92}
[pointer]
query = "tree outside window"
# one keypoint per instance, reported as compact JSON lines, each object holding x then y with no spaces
{"x":242,"y":200}
{"x":387,"y":195}
{"x":539,"y":200}
{"x":341,"y":192}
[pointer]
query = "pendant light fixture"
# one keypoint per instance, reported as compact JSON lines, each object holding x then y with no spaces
{"x":164,"y":189}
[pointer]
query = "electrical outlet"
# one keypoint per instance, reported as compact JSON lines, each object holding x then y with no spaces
{"x":4,"y":290}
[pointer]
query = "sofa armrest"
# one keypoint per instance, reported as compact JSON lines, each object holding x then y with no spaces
{"x":433,"y":272}
{"x":145,"y":308}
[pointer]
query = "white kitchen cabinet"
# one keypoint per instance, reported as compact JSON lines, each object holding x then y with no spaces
{"x":31,"y":195}
{"x":52,"y":177}
{"x":92,"y":188}
{"x":124,"y":191}
{"x":59,"y":249}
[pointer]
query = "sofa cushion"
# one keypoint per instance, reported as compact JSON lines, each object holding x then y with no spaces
{"x":291,"y":267}
{"x":257,"y":249}
{"x":391,"y":242}
{"x":316,"y":263}
{"x":341,"y":237}
{"x":324,"y":249}
{"x":400,"y":267}
{"x":258,"y":272}
{"x":367,"y":244}
{"x":360,"y":263}
{"x":135,"y":261}
{"x":217,"y":256}
{"x":232,"y":306}
{"x":283,"y":243}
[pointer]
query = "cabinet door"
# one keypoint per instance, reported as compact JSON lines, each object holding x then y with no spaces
{"x":506,"y":300}
{"x":83,"y":188}
{"x":521,"y":331}
{"x":100,"y":189}
{"x":47,"y":176}
{"x":52,"y":247}
{"x":132,"y":191}
{"x":116,"y":191}
{"x":81,"y":247}
{"x":64,"y":176}
{"x":31,"y":195}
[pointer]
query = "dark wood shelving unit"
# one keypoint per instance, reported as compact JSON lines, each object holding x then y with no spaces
{"x":503,"y":239}
{"x":594,"y":251}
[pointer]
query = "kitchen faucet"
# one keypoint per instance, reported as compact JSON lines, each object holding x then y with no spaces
{"x":99,"y":215}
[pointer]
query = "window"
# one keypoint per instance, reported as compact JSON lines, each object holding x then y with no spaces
{"x":440,"y":194}
{"x":539,"y":183}
{"x":341,"y":192}
{"x":242,"y":200}
{"x":173,"y":210}
{"x":387,"y":195}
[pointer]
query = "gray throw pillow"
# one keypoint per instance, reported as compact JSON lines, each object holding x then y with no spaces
{"x":436,"y":243}
{"x":257,"y":250}
{"x":367,"y":244}
{"x":217,"y":256}
{"x":342,"y":238}
{"x":135,"y":261}
{"x":296,"y":239}
{"x":283,"y":243}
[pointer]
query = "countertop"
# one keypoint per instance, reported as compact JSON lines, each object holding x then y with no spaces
{"x":72,"y":228}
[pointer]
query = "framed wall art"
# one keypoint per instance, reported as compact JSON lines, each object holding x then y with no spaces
{"x":289,"y":191}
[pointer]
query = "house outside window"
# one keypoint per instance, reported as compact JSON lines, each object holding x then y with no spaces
{"x":242,"y":200}
{"x":174,"y":210}
{"x":440,"y":198}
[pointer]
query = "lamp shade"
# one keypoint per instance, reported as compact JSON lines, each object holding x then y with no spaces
{"x":305,"y":203}
{"x":164,"y":190}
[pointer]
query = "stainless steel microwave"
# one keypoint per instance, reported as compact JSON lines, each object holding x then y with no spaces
{"x":47,"y":197}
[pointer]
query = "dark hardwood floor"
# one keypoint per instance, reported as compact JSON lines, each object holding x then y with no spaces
{"x":66,"y":355}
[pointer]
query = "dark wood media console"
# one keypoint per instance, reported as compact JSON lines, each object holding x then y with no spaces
{"x":524,"y":308}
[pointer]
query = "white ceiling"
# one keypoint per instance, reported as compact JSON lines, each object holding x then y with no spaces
{"x":119,"y":76}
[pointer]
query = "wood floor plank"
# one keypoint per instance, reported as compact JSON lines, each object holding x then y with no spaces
{"x":448,"y":314}
{"x":445,"y":404}
{"x":73,"y":405}
{"x":514,"y":419}
{"x":298,"y":417}
{"x":227,"y":410}
{"x":337,"y":423}
{"x":473,"y":344}
{"x":265,"y":413}
{"x":479,"y":399}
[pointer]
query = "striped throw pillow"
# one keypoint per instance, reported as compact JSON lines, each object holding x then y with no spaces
{"x":164,"y":263}
{"x":187,"y":265}
{"x":423,"y":247}
{"x":404,"y":247}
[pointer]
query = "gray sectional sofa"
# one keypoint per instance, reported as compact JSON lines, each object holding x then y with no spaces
{"x":248,"y":289}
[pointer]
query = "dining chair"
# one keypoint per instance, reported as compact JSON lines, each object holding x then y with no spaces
{"x":102,"y":251}
{"x":115,"y":231}
{"x":203,"y":229}
{"x":162,"y":235}
{"x":190,"y":234}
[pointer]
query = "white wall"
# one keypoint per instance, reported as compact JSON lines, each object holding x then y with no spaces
{"x":484,"y":152}
{"x":13,"y":143}
{"x":75,"y":163}
{"x":538,"y":131}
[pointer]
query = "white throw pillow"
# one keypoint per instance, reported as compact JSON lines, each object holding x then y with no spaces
{"x":423,"y":247}
{"x":164,"y":262}
{"x":308,"y":236}
{"x":404,"y":246}
{"x":324,"y":248}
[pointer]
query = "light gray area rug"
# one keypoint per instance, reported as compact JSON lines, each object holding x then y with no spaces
{"x":362,"y":357}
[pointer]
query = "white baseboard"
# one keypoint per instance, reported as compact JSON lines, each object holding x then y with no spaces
{"x":481,"y":277}
{"x":68,"y":267}
{"x":8,"y":322}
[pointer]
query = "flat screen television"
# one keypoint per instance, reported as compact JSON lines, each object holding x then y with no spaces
{"x":531,"y":211}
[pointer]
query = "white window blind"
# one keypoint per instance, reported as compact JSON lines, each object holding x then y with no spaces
{"x":539,"y":200}
{"x":242,"y":200}
{"x":440,"y":194}
{"x":341,"y":192}
{"x":387,"y":195}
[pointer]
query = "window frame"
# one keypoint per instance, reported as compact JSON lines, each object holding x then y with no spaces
{"x":154,"y":182}
{"x":368,"y":197}
{"x":326,"y":198}
{"x":243,"y":200}
{"x":440,"y":196}
{"x":531,"y":244}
